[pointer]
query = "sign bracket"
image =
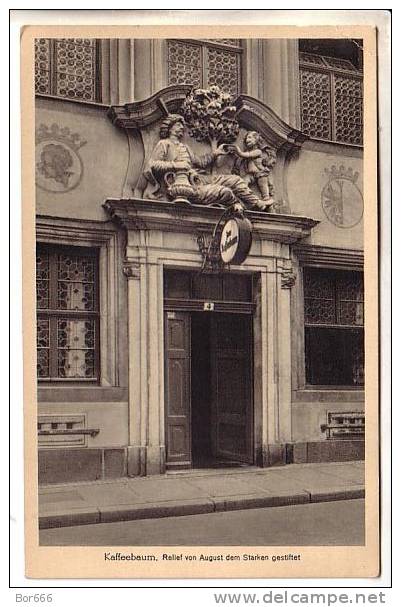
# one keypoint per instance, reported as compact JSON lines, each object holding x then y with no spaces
{"x":210,"y":244}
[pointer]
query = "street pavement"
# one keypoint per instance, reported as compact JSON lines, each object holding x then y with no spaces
{"x":338,"y":523}
{"x":198,"y":492}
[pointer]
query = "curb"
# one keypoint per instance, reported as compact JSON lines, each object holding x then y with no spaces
{"x":113,"y":514}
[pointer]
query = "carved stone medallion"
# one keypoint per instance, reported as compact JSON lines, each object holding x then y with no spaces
{"x":342,"y":200}
{"x":59,"y":166}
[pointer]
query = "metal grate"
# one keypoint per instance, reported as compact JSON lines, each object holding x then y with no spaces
{"x":64,"y":430}
{"x":331,"y":92}
{"x":333,"y":297}
{"x":184,"y":63}
{"x":348,"y":109}
{"x":67,"y":68}
{"x":42,"y":66}
{"x":344,"y":425}
{"x":316,"y":104}
{"x":68,"y":313}
{"x":223,"y":69}
{"x":201,"y":64}
{"x":334,"y":319}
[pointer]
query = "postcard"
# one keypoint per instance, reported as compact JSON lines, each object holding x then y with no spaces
{"x":201,"y":325}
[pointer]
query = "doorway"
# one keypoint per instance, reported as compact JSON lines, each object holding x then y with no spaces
{"x":209,"y":403}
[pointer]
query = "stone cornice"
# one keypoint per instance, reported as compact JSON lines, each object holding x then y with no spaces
{"x":252,"y":114}
{"x":137,"y":214}
{"x":313,"y":255}
{"x":261,"y":118}
{"x":143,"y":113}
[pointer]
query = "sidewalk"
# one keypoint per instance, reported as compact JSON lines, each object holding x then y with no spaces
{"x":198,"y":492}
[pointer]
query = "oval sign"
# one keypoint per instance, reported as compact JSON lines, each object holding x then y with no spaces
{"x":235,"y":240}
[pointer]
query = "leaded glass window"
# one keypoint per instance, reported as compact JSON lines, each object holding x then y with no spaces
{"x":203,"y":63}
{"x":68,"y":313}
{"x":334,"y":320}
{"x":331,"y":92}
{"x":67,"y":67}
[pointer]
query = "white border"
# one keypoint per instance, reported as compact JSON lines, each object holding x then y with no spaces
{"x":304,"y":17}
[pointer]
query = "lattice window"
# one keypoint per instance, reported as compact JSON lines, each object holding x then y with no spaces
{"x":184,"y":63}
{"x":68,"y":314}
{"x":42,"y":66}
{"x":67,"y":68}
{"x":348,"y":109}
{"x":334,"y":336}
{"x":331,"y":99}
{"x":204,"y":63}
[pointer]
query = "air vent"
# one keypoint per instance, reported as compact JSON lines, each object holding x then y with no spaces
{"x":344,"y":425}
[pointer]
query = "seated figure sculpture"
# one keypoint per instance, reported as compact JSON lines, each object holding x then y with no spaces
{"x":175,"y":171}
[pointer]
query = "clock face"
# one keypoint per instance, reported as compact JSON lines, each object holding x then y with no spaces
{"x":342,"y":202}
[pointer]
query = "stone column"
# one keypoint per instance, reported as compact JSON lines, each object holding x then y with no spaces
{"x":146,"y":451}
{"x":286,"y":279}
{"x":273,"y":354}
{"x":150,"y":67}
{"x":126,"y":86}
{"x":137,"y":381}
{"x":260,"y":371}
{"x":253,"y":59}
{"x":132,"y":70}
{"x":155,"y":458}
{"x":280,"y":78}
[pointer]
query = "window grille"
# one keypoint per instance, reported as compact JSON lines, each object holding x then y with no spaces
{"x":67,"y":68}
{"x":205,"y":63}
{"x":334,"y":319}
{"x":68,"y":314}
{"x":331,"y":99}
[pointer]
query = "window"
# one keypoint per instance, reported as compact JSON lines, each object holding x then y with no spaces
{"x":68,"y":314}
{"x":67,"y":68}
{"x":334,"y":336}
{"x":204,"y":63}
{"x":331,"y":98}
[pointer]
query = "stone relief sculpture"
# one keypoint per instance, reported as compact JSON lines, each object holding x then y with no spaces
{"x":55,"y":163}
{"x":257,"y":162}
{"x":59,"y":166}
{"x":176,"y":172}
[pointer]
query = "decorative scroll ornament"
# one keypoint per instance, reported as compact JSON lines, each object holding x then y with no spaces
{"x":288,"y":278}
{"x":342,"y":200}
{"x":59,"y":166}
{"x":132,"y":270}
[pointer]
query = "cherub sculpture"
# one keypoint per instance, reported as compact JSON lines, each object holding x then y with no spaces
{"x":255,"y":164}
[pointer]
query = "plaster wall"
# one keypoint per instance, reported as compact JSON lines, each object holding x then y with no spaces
{"x":307,"y":177}
{"x":307,"y":417}
{"x":109,"y":418}
{"x":104,"y":157}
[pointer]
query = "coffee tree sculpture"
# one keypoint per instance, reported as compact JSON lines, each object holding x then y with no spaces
{"x":210,"y":116}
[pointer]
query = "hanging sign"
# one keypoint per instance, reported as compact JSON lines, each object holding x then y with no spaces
{"x":235,"y":240}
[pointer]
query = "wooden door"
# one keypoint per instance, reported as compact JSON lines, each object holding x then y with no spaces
{"x":231,"y":381}
{"x":178,"y":389}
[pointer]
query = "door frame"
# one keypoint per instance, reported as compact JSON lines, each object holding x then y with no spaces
{"x":225,"y":308}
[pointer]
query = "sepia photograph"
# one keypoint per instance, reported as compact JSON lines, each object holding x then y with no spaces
{"x":199,"y":212}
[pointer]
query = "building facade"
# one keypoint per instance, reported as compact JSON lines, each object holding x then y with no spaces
{"x":153,"y":355}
